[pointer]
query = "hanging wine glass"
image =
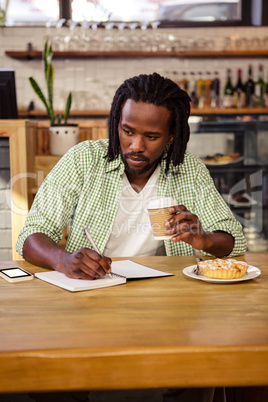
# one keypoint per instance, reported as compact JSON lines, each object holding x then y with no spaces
{"x":155,"y":36}
{"x":121,"y":38}
{"x":144,"y":36}
{"x":133,"y":40}
{"x":108,"y":39}
{"x":72,"y":40}
{"x":58,"y":39}
{"x":95,"y":39}
{"x":84,"y":37}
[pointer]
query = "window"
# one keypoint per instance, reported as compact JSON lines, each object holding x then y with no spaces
{"x":214,"y":11}
{"x":150,"y":10}
{"x":169,"y":12}
{"x":30,"y":12}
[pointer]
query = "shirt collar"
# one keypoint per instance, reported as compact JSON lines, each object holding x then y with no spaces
{"x":172,"y":169}
{"x":115,"y":164}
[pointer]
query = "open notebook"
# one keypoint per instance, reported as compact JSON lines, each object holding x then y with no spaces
{"x":122,"y":270}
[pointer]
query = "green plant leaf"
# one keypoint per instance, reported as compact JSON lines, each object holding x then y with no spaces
{"x":49,"y":77}
{"x":50,"y":82}
{"x":67,"y":107}
{"x":45,"y":60}
{"x":44,"y":57}
{"x":49,"y":54}
{"x":41,"y":96}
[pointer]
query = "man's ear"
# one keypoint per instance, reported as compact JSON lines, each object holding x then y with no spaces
{"x":171,"y":138}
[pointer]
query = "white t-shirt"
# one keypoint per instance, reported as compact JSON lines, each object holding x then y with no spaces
{"x":132,"y":235}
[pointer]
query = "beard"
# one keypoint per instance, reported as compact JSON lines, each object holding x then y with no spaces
{"x":142,"y":170}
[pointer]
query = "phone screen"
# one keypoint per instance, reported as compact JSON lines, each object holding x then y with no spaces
{"x":14,"y":272}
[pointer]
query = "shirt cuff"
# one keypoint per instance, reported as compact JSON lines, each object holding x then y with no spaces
{"x":26,"y":233}
{"x":240,"y":245}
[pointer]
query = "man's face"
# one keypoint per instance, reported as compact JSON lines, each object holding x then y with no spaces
{"x":143,"y":134}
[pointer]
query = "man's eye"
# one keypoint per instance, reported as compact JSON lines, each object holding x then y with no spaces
{"x":128,"y":132}
{"x":151,"y":137}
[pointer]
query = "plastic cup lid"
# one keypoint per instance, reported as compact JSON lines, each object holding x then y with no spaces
{"x":161,"y":203}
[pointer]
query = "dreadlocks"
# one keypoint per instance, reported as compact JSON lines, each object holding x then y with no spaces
{"x":159,"y":91}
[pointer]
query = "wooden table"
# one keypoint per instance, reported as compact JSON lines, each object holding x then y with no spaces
{"x":153,"y":333}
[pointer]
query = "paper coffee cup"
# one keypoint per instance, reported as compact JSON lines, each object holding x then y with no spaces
{"x":158,"y":210}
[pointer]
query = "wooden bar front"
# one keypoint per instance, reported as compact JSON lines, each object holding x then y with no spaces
{"x":30,"y":162}
{"x":152,"y":333}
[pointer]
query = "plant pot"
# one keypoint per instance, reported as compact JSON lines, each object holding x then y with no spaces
{"x":62,"y":137}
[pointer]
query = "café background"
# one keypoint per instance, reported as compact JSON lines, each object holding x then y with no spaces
{"x":93,"y":81}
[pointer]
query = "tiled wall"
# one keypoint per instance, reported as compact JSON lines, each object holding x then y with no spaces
{"x":93,"y":81}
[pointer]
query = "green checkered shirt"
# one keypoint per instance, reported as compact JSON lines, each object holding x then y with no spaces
{"x":85,"y":188}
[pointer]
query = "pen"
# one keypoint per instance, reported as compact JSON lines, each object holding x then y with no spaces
{"x":91,"y":241}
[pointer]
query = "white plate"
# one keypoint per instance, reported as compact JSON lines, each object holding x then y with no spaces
{"x":251,"y":273}
{"x":213,"y":163}
{"x":230,"y":200}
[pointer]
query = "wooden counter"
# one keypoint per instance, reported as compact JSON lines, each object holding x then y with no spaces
{"x":152,"y":333}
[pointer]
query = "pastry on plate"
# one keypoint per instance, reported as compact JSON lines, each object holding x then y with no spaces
{"x":221,"y":158}
{"x":222,"y":268}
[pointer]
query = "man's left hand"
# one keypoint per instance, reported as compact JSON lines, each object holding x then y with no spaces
{"x":186,"y":227}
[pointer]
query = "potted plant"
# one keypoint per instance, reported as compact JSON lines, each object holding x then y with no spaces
{"x":62,"y":135}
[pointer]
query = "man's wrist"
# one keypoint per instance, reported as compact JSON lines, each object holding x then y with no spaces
{"x":59,"y":261}
{"x":218,"y":243}
{"x":208,"y":241}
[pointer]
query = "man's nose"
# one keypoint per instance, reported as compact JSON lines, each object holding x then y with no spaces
{"x":137,"y":144}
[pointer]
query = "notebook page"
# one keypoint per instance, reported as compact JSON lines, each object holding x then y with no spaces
{"x":75,"y":285}
{"x":131,"y":270}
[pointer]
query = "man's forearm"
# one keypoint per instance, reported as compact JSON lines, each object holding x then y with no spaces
{"x":41,"y":250}
{"x":84,"y":263}
{"x":219,"y":244}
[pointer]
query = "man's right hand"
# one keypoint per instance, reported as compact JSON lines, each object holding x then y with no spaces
{"x":85,"y":263}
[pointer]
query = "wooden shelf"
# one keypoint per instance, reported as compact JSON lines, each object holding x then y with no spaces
{"x":194,"y":112}
{"x":230,"y":111}
{"x":35,"y":54}
{"x":73,"y":113}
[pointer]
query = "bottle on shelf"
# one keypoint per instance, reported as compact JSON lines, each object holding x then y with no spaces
{"x":228,"y":95}
{"x":200,"y":90}
{"x":250,"y":89}
{"x":192,"y":90}
{"x":260,"y":88}
{"x":266,"y":93}
{"x":207,"y":89}
{"x":175,"y":77}
{"x":239,"y":91}
{"x":215,"y":91}
{"x":183,"y":83}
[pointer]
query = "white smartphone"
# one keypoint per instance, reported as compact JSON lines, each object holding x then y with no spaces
{"x":15,"y":274}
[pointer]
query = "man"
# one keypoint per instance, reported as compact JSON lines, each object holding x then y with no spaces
{"x":106,"y":184}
